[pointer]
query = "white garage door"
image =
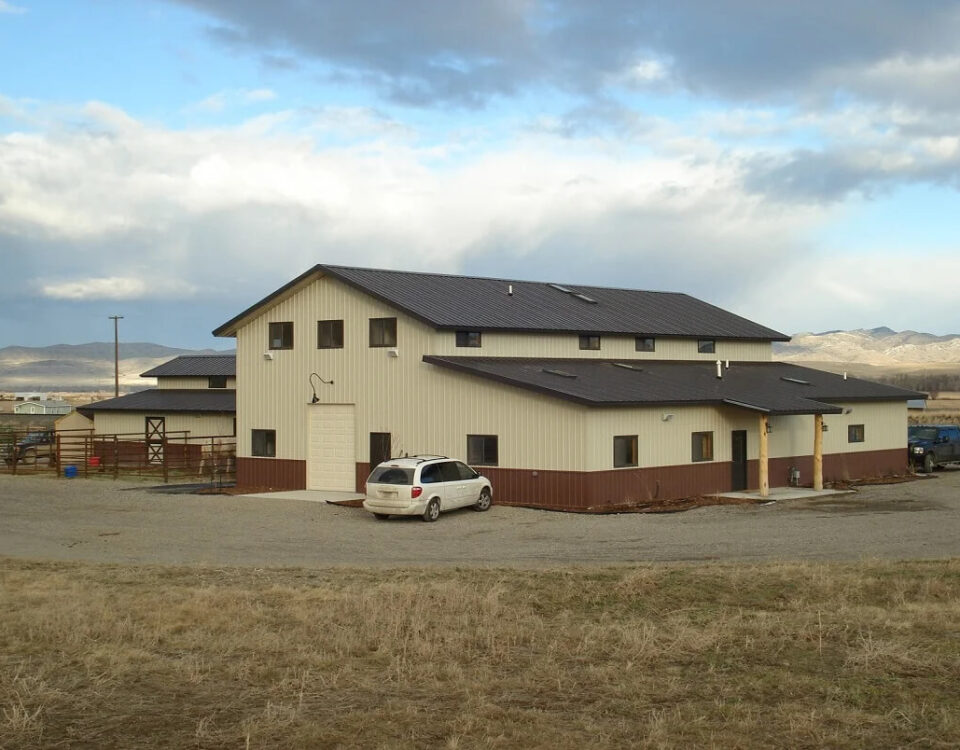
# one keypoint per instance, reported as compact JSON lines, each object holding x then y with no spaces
{"x":331,"y":464}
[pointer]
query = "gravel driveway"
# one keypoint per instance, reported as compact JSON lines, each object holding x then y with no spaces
{"x":116,"y":522}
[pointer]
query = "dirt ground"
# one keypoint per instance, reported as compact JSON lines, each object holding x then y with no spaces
{"x":121,"y":522}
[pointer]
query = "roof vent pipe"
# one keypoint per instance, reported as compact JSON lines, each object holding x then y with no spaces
{"x":510,"y":289}
{"x":719,"y":369}
{"x":844,"y":374}
{"x":728,"y":364}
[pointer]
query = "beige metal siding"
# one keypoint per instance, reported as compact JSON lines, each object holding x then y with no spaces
{"x":426,"y":409}
{"x":110,"y":423}
{"x":611,"y":347}
{"x":191,"y":383}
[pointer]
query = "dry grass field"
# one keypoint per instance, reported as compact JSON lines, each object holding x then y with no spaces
{"x":798,"y":655}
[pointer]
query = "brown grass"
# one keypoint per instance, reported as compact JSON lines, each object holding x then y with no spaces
{"x":789,"y":655}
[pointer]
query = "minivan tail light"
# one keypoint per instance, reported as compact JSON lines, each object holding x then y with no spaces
{"x":416,"y":491}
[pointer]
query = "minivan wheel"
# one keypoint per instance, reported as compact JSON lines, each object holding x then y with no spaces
{"x":483,"y":502}
{"x":432,"y":512}
{"x":928,"y":464}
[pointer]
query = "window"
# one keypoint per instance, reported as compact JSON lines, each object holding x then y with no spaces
{"x":482,"y":450}
{"x":281,"y":335}
{"x":263,"y":442}
{"x":646,"y":344}
{"x":430,"y":474}
{"x":855,"y":433}
{"x":625,"y":450}
{"x":217,"y":381}
{"x":702,"y":449}
{"x":468,"y":338}
{"x":329,"y":334}
{"x":707,"y":346}
{"x":589,"y":342}
{"x":449,"y":471}
{"x":465,"y":471}
{"x":383,"y":331}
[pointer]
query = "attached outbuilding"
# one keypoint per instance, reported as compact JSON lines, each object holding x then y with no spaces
{"x":567,"y":396}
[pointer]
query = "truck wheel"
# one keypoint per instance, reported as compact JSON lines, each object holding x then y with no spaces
{"x":928,"y":463}
{"x":29,"y":457}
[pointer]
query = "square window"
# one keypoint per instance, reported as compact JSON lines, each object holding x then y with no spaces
{"x":217,"y":381}
{"x":702,"y":446}
{"x":482,"y":450}
{"x":263,"y":443}
{"x":625,"y":450}
{"x":646,"y":344}
{"x":383,"y":332}
{"x":590,"y":342}
{"x":468,"y":338}
{"x":855,"y":433}
{"x":281,"y":335}
{"x":707,"y":346}
{"x":329,"y":334}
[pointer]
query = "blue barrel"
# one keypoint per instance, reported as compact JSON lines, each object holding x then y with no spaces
{"x":70,"y":471}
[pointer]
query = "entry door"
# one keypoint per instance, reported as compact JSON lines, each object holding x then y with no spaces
{"x":738,"y":461}
{"x":155,"y":431}
{"x":379,"y":448}
{"x":331,"y":449}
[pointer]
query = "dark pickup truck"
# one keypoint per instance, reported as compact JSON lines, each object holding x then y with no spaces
{"x":930,"y":446}
{"x":34,"y":446}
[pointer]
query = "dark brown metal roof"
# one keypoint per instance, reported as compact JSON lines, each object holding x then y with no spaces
{"x":216,"y":400}
{"x":771,"y":387}
{"x":195,"y":365}
{"x":448,"y":302}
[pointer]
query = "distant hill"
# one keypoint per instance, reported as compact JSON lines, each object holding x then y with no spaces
{"x":83,"y":367}
{"x":876,"y":347}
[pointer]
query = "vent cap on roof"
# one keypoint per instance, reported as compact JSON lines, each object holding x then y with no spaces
{"x":559,"y":373}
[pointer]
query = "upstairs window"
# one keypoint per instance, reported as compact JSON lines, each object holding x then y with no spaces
{"x":646,"y":344}
{"x":482,"y":450}
{"x":383,"y":332}
{"x":625,"y":450}
{"x":329,"y":334}
{"x":263,"y":443}
{"x":281,"y":335}
{"x":468,"y":338}
{"x":590,"y":342}
{"x":855,"y":433}
{"x":217,"y":381}
{"x":702,"y":449}
{"x":707,"y":346}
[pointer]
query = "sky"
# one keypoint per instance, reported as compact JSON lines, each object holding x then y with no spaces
{"x":174,"y":161}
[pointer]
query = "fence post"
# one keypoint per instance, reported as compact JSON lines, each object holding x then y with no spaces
{"x":163,"y":444}
{"x":56,"y":458}
{"x":116,"y":457}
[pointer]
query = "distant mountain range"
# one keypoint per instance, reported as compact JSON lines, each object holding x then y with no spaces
{"x":89,"y":367}
{"x":83,"y":367}
{"x":878,"y":347}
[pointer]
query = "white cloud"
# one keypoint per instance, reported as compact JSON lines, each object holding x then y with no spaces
{"x":6,"y":7}
{"x":116,"y":288}
{"x":228,"y":98}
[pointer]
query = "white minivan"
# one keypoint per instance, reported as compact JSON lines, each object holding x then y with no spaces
{"x":425,"y":486}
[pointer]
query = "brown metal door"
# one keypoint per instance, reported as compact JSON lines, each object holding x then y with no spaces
{"x":738,"y":460}
{"x":379,"y":447}
{"x":155,"y":434}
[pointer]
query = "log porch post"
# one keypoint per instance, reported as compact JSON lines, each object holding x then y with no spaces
{"x":764,"y":462}
{"x":818,"y":452}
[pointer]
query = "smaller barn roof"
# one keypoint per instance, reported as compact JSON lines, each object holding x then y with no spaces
{"x":160,"y":400}
{"x":770,"y":387}
{"x":195,"y":365}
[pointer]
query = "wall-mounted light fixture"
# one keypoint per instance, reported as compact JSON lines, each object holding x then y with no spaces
{"x":769,"y":428}
{"x":848,"y":410}
{"x":313,"y":375}
{"x":666,"y":417}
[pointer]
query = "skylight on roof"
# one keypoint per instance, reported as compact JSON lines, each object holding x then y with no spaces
{"x":585,"y":298}
{"x":798,"y":381}
{"x":560,"y":288}
{"x":559,"y":373}
{"x":626,"y":366}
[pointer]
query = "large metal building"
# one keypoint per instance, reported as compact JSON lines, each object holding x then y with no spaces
{"x":567,"y":396}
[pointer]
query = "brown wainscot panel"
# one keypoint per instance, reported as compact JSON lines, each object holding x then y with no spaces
{"x":363,"y":471}
{"x":275,"y":473}
{"x":618,"y":488}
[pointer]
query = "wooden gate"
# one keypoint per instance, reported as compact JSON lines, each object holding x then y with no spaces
{"x":156,"y":436}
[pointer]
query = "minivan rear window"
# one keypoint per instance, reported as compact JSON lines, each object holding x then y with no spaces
{"x":391,"y":475}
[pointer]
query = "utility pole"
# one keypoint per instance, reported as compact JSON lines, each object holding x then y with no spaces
{"x":116,"y":356}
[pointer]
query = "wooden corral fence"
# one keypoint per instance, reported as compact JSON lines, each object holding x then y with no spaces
{"x":178,"y":456}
